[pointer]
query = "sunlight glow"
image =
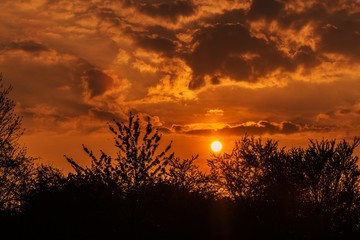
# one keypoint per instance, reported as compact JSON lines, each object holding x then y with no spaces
{"x":216,"y":146}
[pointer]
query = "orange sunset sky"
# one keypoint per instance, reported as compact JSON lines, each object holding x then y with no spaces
{"x":203,"y":70}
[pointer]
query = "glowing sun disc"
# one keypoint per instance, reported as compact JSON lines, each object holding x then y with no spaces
{"x":216,"y":146}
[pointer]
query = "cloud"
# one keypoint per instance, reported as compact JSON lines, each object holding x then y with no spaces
{"x":105,"y":115}
{"x":96,"y":82}
{"x":343,"y":38}
{"x":41,"y":110}
{"x":289,"y":127}
{"x":173,"y":86}
{"x":214,"y":112}
{"x":25,"y":45}
{"x":272,"y":36}
{"x":268,"y":9}
{"x":253,"y":128}
{"x":157,"y":44}
{"x":110,"y":15}
{"x":335,"y":25}
{"x":230,"y":50}
{"x":306,"y":56}
{"x":49,"y":119}
{"x":170,"y":10}
{"x":343,"y":117}
{"x":232,"y":16}
{"x":53,"y":89}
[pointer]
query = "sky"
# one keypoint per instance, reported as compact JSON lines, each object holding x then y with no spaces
{"x":201,"y":70}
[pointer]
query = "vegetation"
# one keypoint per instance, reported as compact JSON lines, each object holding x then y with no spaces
{"x":16,"y":169}
{"x":137,"y":163}
{"x":257,"y":191}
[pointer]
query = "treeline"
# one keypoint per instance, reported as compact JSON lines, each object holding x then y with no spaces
{"x":258,"y":191}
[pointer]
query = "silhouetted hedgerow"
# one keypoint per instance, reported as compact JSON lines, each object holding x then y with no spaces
{"x":258,"y":191}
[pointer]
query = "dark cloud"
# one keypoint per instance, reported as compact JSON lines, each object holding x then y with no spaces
{"x":341,"y":39}
{"x":162,"y":31}
{"x":339,"y":32}
{"x":230,"y":50}
{"x":97,"y":82}
{"x":200,"y":132}
{"x":268,"y":9}
{"x":108,"y":14}
{"x":229,"y":47}
{"x":242,"y":129}
{"x":157,"y":44}
{"x":237,"y":68}
{"x":54,"y":85}
{"x":268,"y":127}
{"x":215,"y":80}
{"x":177,"y":128}
{"x":170,"y":10}
{"x":315,"y":13}
{"x":228,"y":16}
{"x":289,"y":127}
{"x":104,"y":114}
{"x":164,"y":130}
{"x":259,"y":128}
{"x":341,"y":4}
{"x":305,"y":55}
{"x":336,"y":27}
{"x":27,"y":46}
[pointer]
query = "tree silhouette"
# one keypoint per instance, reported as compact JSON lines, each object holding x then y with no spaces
{"x":299,"y":193}
{"x":137,"y":162}
{"x":257,"y":191}
{"x":331,"y":182}
{"x":185,"y":174}
{"x":16,"y":169}
{"x":140,"y":193}
{"x":238,"y":175}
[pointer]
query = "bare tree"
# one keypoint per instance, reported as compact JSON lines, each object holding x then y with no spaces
{"x":138,"y":161}
{"x":238,"y":175}
{"x":16,"y":168}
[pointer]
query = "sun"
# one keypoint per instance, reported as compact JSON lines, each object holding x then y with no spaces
{"x":216,"y":146}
